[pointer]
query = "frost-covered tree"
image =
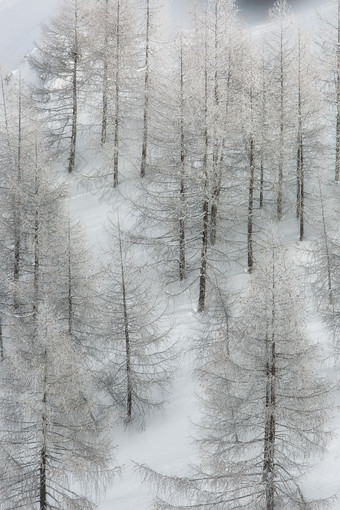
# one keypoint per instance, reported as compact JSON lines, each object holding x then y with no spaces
{"x":28,"y":202}
{"x":190,"y":194}
{"x":59,"y":61}
{"x":326,"y":256}
{"x":15,"y":153}
{"x":264,"y":405}
{"x":280,"y":58}
{"x":76,"y":288}
{"x":139,"y":357}
{"x":170,"y":218}
{"x":51,"y":426}
{"x":310,"y":127}
{"x":114,"y":62}
{"x":329,"y":62}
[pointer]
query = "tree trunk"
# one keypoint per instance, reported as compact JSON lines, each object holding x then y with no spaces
{"x":261,"y":182}
{"x":263,"y":130}
{"x":298,"y":180}
{"x":2,"y":354}
{"x":337,"y":147}
{"x":127,"y":334}
{"x":302,"y":199}
{"x":73,"y":145}
{"x":300,"y":152}
{"x":205,"y":232}
{"x":70,"y":296}
{"x":270,"y":422}
{"x":43,"y":453}
{"x":251,"y":178}
{"x":105,"y":77}
{"x":281,"y":149}
{"x":146,"y":92}
{"x":36,"y":240}
{"x":17,"y":204}
{"x":116,"y":148}
{"x":328,"y":257}
{"x":182,"y":254}
{"x":251,"y":205}
{"x":216,"y":166}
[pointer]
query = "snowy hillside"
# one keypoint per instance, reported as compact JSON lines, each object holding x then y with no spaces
{"x":215,"y":167}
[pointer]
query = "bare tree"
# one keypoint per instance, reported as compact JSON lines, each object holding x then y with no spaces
{"x":138,"y":369}
{"x":262,"y":418}
{"x":280,"y":54}
{"x":51,"y":424}
{"x":59,"y":62}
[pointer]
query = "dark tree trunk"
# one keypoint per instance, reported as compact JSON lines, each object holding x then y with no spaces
{"x":302,"y":214}
{"x":43,"y":454}
{"x":73,"y":145}
{"x":127,"y":335}
{"x":17,"y":205}
{"x":204,"y":255}
{"x":182,"y":251}
{"x":328,"y":256}
{"x":261,"y":182}
{"x":216,"y":163}
{"x":270,"y":421}
{"x":251,"y":205}
{"x":337,"y":146}
{"x":263,"y":129}
{"x":116,"y":147}
{"x":282,"y":129}
{"x":43,"y":489}
{"x":251,"y":179}
{"x":146,"y":93}
{"x":70,"y":281}
{"x":105,"y":77}
{"x":2,"y":354}
{"x":298,"y":180}
{"x":36,"y":241}
{"x":205,"y":231}
{"x":300,"y":153}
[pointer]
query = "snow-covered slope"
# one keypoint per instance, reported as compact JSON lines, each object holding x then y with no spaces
{"x":166,"y":444}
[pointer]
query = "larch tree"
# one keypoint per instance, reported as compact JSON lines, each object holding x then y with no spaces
{"x":76,"y":289}
{"x":153,"y":33}
{"x":52,"y":428}
{"x":328,"y":42}
{"x":52,"y":422}
{"x":337,"y":81}
{"x":310,"y":126}
{"x":139,"y":365}
{"x":59,"y":61}
{"x":166,"y":193}
{"x":264,"y":407}
{"x":146,"y":95}
{"x":223,"y":26}
{"x":251,"y":129}
{"x":280,"y":56}
{"x":114,"y":61}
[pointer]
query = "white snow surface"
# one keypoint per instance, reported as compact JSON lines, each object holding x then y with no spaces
{"x":166,"y":444}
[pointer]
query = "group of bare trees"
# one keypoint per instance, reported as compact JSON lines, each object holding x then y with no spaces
{"x":226,"y":132}
{"x":80,"y":353}
{"x":256,"y":131}
{"x":241,"y":141}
